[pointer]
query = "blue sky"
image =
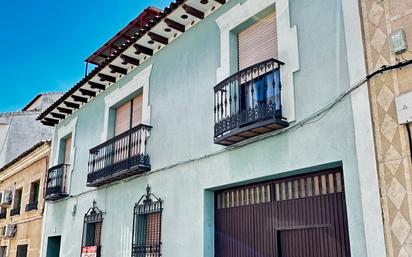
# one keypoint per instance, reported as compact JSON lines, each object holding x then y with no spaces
{"x":44,"y":43}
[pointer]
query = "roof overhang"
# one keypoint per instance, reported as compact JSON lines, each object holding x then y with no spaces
{"x":168,"y":25}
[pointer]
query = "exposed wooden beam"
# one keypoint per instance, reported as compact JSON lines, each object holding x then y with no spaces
{"x":50,"y":120}
{"x":57,"y":115}
{"x":194,"y":12}
{"x":64,"y":110}
{"x":117,"y":69}
{"x":87,"y":92}
{"x":143,"y":49}
{"x":72,"y":105}
{"x":221,"y":1}
{"x":80,"y":99}
{"x":104,"y":77}
{"x":158,"y":38}
{"x":95,"y":85}
{"x":45,"y":123}
{"x":127,"y":59}
{"x":175,"y":25}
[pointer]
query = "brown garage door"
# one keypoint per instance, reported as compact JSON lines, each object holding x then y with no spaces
{"x":294,"y":217}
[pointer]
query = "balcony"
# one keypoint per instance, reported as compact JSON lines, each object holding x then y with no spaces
{"x":120,"y":157}
{"x":32,"y":206}
{"x":248,"y":103}
{"x":56,"y":187}
{"x":15,"y":211}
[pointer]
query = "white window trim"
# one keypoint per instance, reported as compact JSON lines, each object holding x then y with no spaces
{"x":287,"y":44}
{"x":141,"y":80}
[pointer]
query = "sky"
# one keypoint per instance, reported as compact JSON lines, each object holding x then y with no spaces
{"x":44,"y":43}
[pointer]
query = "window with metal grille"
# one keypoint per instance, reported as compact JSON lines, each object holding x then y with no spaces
{"x":147,"y":223}
{"x":21,"y":251}
{"x":92,"y":230}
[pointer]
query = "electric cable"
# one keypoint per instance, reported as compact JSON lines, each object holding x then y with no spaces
{"x":316,"y":116}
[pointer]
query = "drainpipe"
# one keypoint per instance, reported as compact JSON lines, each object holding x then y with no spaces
{"x":408,"y":128}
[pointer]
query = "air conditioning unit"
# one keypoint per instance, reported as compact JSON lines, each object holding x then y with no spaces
{"x":9,"y":231}
{"x":6,"y":198}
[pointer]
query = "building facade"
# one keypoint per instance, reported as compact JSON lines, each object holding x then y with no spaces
{"x":382,"y":20}
{"x":22,"y":203}
{"x":22,"y":124}
{"x":241,"y":117}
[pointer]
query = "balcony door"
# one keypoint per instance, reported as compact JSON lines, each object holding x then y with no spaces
{"x":256,"y":44}
{"x":128,"y":115}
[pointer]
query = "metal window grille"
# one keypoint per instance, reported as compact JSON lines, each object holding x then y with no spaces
{"x":92,"y":228}
{"x":147,"y":224}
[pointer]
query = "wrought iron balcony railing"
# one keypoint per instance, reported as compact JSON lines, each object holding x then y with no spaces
{"x":15,"y":211}
{"x":120,"y":157}
{"x":32,"y":206}
{"x":248,"y":103}
{"x":56,"y":187}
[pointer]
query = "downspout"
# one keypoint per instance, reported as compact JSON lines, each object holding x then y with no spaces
{"x":44,"y":212}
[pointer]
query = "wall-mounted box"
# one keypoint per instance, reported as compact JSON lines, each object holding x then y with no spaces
{"x":404,"y":108}
{"x":397,"y":41}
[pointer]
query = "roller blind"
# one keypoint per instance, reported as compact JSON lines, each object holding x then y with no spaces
{"x":123,"y":115}
{"x":67,"y":150}
{"x":137,"y":110}
{"x":258,"y":42}
{"x":122,"y":118}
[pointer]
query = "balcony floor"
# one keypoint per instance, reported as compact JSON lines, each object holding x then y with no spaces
{"x":119,"y":175}
{"x":258,"y":128}
{"x":55,"y":197}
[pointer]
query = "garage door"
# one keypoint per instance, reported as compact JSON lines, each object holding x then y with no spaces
{"x":293,"y":217}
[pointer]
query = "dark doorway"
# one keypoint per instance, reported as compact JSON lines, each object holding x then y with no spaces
{"x":53,"y":246}
{"x":295,"y":217}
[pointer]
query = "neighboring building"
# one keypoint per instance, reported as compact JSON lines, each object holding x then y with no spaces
{"x":383,"y":23}
{"x":20,"y":130}
{"x":245,"y":155}
{"x":21,"y":200}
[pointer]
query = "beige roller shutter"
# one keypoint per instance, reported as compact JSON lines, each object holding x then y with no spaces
{"x":67,"y":150}
{"x":122,"y":118}
{"x":137,"y":110}
{"x":258,"y":42}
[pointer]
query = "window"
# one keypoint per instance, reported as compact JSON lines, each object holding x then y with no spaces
{"x":17,"y":202}
{"x":128,"y":115}
{"x":34,"y":196}
{"x":21,"y":251}
{"x":92,"y":230}
{"x":65,"y":150}
{"x":34,"y":192}
{"x":3,"y":214}
{"x":258,"y":42}
{"x":3,"y":251}
{"x":147,"y":226}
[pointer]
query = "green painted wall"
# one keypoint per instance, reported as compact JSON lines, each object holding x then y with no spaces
{"x":181,"y":98}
